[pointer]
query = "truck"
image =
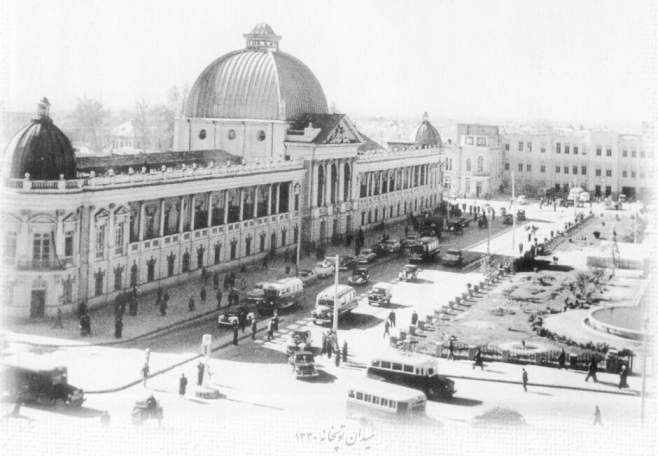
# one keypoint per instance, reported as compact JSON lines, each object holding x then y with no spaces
{"x":426,"y":249}
{"x":323,"y":314}
{"x":280,"y":295}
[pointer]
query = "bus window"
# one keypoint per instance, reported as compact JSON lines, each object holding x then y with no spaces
{"x":392,"y":404}
{"x":375,"y":363}
{"x":430,"y":371}
{"x":408,"y":368}
{"x":359,"y":396}
{"x":384,"y":402}
{"x":368,"y":398}
{"x":351,"y":393}
{"x":375,"y":400}
{"x":397,"y":366}
{"x":386,"y":364}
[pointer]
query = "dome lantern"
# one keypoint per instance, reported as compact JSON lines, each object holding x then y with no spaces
{"x":262,"y":37}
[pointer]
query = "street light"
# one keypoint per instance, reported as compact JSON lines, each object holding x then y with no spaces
{"x":297,"y":191}
{"x":513,"y":216}
{"x":335,"y":323}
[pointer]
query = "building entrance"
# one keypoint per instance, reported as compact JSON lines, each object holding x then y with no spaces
{"x":38,"y":303}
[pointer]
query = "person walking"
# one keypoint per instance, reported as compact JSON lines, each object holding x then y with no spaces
{"x":219,"y":299}
{"x":623,"y":376}
{"x":270,"y":329}
{"x":105,"y":418}
{"x":591,"y":372}
{"x":182,"y":385}
{"x":253,"y":329}
{"x":163,"y":307}
{"x":190,"y":304}
{"x":524,"y":379}
{"x":387,"y":327}
{"x":242,"y":320}
{"x":202,"y":295}
{"x":323,"y":347}
{"x":235,"y":333}
{"x":200,"y":370}
{"x":451,"y":349}
{"x":391,"y":317}
{"x":118,"y":326}
{"x":344,"y":352}
{"x":204,"y":275}
{"x":215,"y":280}
{"x":145,"y":373}
{"x":58,"y":319}
{"x":414,"y":318}
{"x":478,"y":360}
{"x":597,"y":416}
{"x":330,"y":348}
{"x":275,"y":321}
{"x":561,"y":360}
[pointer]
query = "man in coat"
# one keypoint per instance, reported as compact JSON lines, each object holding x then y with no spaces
{"x":182,"y":385}
{"x":235,"y":334}
{"x":561,"y":360}
{"x":118,"y":327}
{"x":478,"y":360}
{"x":200,"y":369}
{"x":524,"y":379}
{"x":623,"y":375}
{"x":203,"y":295}
{"x":219,"y":299}
{"x":414,"y":318}
{"x":215,"y":280}
{"x":591,"y":372}
{"x":253,"y":329}
{"x":270,"y":329}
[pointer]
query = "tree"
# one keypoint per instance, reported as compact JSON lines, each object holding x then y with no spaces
{"x":153,"y":126}
{"x":89,"y":123}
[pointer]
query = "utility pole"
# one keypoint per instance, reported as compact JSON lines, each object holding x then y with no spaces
{"x":299,"y":227}
{"x":513,"y":216}
{"x":335,"y":325}
{"x":644,"y":365}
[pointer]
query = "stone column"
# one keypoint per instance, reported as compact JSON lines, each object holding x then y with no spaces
{"x":278,"y":196}
{"x":109,"y":236}
{"x":181,"y":215}
{"x":327,"y":184}
{"x":313,"y":186}
{"x":380,"y":182}
{"x":209,"y":209}
{"x":162,"y":216}
{"x":225,"y":207}
{"x":256,"y":201}
{"x":142,"y":210}
{"x":241,"y":203}
{"x":192,"y":212}
{"x":341,"y":181}
{"x":269,"y":199}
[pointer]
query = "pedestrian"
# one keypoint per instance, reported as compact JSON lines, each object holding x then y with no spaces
{"x":135,"y":291}
{"x":182,"y":385}
{"x":520,"y":248}
{"x":215,"y":280}
{"x":118,"y":326}
{"x":345,"y":351}
{"x":82,"y":309}
{"x":219,"y":299}
{"x":58,"y":319}
{"x":200,"y":370}
{"x":406,"y":231}
{"x":391,"y":317}
{"x":330,"y":348}
{"x":235,"y":334}
{"x":451,"y":349}
{"x":204,"y":275}
{"x":133,"y":307}
{"x":623,"y":376}
{"x":242,"y":320}
{"x":105,"y":418}
{"x":202,"y":295}
{"x":478,"y":360}
{"x":253,"y":329}
{"x":190,"y":304}
{"x":323,"y":347}
{"x":275,"y":320}
{"x":165,"y":298}
{"x":597,"y":416}
{"x":286,"y":255}
{"x":591,"y":372}
{"x":387,"y":327}
{"x":85,"y":325}
{"x":529,"y":237}
{"x":414,"y":318}
{"x":337,"y":358}
{"x":562,"y":359}
{"x":163,"y":307}
{"x":524,"y":379}
{"x":270,"y":329}
{"x":159,"y":298}
{"x":145,"y":373}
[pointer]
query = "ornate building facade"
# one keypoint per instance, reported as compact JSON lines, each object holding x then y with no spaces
{"x":258,"y":165}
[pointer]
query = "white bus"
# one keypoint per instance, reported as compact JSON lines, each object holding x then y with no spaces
{"x":323,"y":313}
{"x":385,"y":398}
{"x":282,"y":294}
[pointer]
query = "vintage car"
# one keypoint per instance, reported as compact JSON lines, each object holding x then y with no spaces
{"x":147,"y":409}
{"x":366,"y":256}
{"x":522,"y":200}
{"x":39,"y":381}
{"x":345,"y":262}
{"x":307,"y":276}
{"x":409,"y":241}
{"x":409,"y":273}
{"x":458,"y":225}
{"x":508,"y":219}
{"x":299,"y":340}
{"x":324,"y":269}
{"x":256,"y":295}
{"x":303,"y":364}
{"x":390,"y":245}
{"x":360,"y":276}
{"x":453,"y":258}
{"x":520,"y":215}
{"x":380,"y":294}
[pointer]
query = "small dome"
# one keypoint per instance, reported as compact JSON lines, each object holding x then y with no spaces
{"x":259,"y":82}
{"x":426,"y":134}
{"x":40,"y":149}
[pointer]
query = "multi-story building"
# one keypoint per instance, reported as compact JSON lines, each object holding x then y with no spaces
{"x":258,"y":164}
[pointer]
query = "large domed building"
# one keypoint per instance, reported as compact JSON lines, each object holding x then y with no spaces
{"x":427,"y":135}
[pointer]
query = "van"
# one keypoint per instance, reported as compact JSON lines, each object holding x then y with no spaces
{"x":413,"y":371}
{"x":280,"y":295}
{"x":323,"y":313}
{"x":382,"y":398}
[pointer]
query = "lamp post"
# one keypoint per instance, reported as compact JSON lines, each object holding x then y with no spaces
{"x":299,"y":228}
{"x":513,"y":216}
{"x":335,"y":322}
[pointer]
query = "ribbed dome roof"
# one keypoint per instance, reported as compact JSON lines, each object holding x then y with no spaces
{"x":426,"y":134}
{"x":41,"y":149}
{"x":259,"y":82}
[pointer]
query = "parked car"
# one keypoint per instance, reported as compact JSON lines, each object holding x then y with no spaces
{"x":303,"y":364}
{"x":345,"y":262}
{"x":522,"y":200}
{"x":520,"y":215}
{"x":409,"y":241}
{"x":299,"y":340}
{"x":360,"y":276}
{"x":508,"y":219}
{"x":380,"y":294}
{"x":390,"y":245}
{"x":366,"y":256}
{"x":453,"y":257}
{"x":409,"y":273}
{"x":324,"y":269}
{"x":307,"y":276}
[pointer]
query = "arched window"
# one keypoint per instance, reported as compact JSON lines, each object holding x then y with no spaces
{"x":320,"y":184}
{"x":334,"y":185}
{"x":468,"y":164}
{"x":480,"y":164}
{"x":347,"y":182}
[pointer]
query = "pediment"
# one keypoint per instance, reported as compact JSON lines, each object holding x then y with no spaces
{"x":102,"y":213}
{"x":343,"y":133}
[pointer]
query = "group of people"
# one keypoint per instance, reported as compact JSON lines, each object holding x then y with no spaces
{"x":389,"y":323}
{"x":331,"y":347}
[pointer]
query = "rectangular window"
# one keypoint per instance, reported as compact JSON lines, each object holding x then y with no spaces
{"x":359,"y":396}
{"x":384,"y":402}
{"x":506,"y":166}
{"x":542,"y":168}
{"x":542,"y":150}
{"x":633,"y":174}
{"x":408,"y":368}
{"x":557,"y":170}
{"x":68,"y":244}
{"x":624,"y":153}
{"x":529,"y":146}
{"x":608,"y":172}
{"x":633,"y":153}
{"x":520,"y":167}
{"x":566,"y":148}
{"x":367,"y":398}
{"x":520,"y":146}
{"x":118,"y":235}
{"x":100,"y":240}
{"x":608,"y":152}
{"x":566,"y":170}
{"x":41,"y":247}
{"x":482,"y":141}
{"x":392,"y":404}
{"x":598,"y":151}
{"x":597,"y":172}
{"x":624,"y":173}
{"x":469,"y":140}
{"x":386,"y":364}
{"x":528,"y":167}
{"x":575,"y":150}
{"x":397,"y":366}
{"x":574,"y":169}
{"x":558,"y":147}
{"x":583,"y":170}
{"x":507,"y":147}
{"x":375,"y":399}
{"x":10,"y":245}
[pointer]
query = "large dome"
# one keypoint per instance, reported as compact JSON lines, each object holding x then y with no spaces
{"x":259,"y":82}
{"x":40,"y":149}
{"x":427,"y":134}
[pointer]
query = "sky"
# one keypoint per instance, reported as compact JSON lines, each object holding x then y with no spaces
{"x":587,"y":61}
